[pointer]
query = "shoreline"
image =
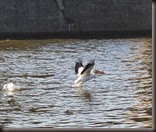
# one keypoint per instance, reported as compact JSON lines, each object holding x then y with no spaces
{"x":78,"y":35}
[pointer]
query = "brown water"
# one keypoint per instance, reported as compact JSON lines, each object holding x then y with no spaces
{"x":44,"y":70}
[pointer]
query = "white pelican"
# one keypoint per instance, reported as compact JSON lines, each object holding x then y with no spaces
{"x":85,"y":73}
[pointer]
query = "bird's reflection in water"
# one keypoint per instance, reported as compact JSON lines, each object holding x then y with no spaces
{"x":84,"y":93}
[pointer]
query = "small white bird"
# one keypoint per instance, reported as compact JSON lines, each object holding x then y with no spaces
{"x":10,"y":87}
{"x":85,"y":73}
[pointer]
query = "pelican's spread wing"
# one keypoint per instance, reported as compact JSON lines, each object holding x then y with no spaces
{"x":87,"y":69}
{"x":78,"y":66}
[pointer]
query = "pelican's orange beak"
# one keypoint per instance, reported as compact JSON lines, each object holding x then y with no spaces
{"x":99,"y":72}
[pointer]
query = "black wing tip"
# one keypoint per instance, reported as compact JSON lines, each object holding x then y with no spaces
{"x":78,"y":64}
{"x":92,"y":61}
{"x":79,"y":60}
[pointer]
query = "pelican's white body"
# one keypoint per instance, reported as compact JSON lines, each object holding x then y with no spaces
{"x":85,"y":77}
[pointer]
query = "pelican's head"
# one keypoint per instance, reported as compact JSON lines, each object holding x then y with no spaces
{"x":97,"y":72}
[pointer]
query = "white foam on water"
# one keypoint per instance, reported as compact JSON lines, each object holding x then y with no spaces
{"x":10,"y":87}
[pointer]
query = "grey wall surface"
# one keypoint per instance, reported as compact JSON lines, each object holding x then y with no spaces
{"x":56,"y":16}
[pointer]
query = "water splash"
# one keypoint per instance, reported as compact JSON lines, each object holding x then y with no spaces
{"x":10,"y":87}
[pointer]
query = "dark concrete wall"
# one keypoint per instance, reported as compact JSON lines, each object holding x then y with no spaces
{"x":28,"y":16}
{"x":47,"y":16}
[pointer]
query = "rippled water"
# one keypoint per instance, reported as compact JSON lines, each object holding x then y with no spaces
{"x":44,"y":70}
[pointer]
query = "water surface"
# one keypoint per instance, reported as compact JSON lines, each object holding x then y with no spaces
{"x":44,"y":70}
